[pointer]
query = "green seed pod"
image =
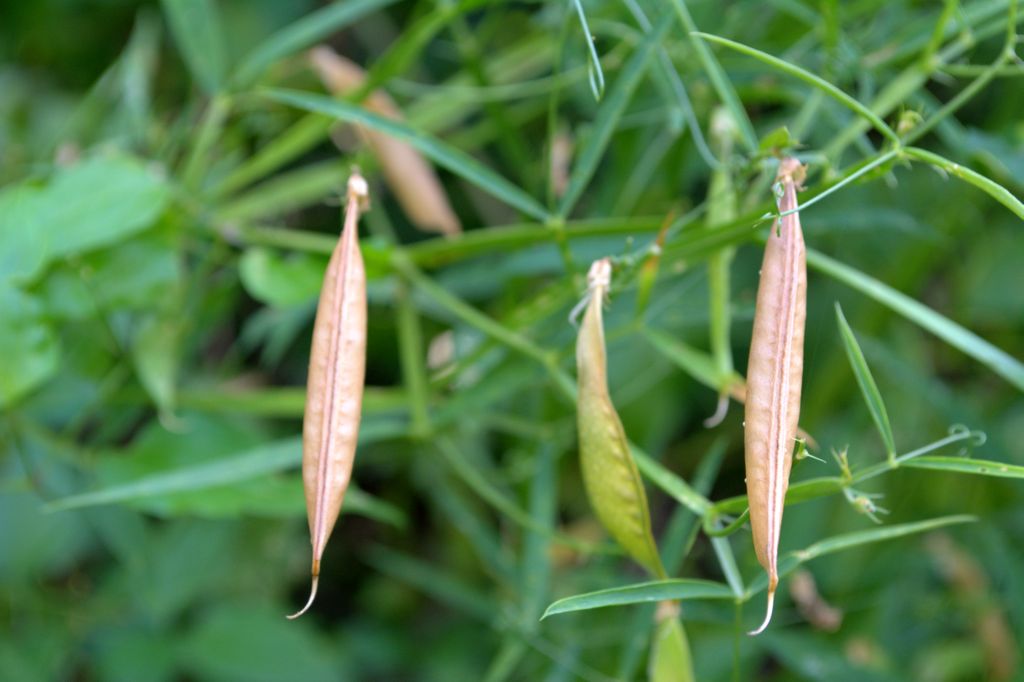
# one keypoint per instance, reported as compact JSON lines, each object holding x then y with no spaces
{"x":610,"y":475}
{"x":670,"y":659}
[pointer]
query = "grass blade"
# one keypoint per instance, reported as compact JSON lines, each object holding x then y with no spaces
{"x":259,"y":461}
{"x":718,"y":78}
{"x":965,"y":465}
{"x":641,"y":593}
{"x":989,"y":187}
{"x":672,"y":484}
{"x":595,"y":70}
{"x":866,"y":381}
{"x":197,"y":30}
{"x":999,"y":361}
{"x":856,"y":539}
{"x":609,"y":114}
{"x":809,"y":78}
{"x":456,"y":161}
{"x":302,"y":33}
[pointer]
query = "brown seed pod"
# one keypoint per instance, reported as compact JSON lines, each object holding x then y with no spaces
{"x":774,"y":375}
{"x":408,"y":174}
{"x":334,"y":391}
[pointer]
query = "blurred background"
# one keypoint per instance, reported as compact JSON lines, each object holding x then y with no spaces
{"x":165,"y":222}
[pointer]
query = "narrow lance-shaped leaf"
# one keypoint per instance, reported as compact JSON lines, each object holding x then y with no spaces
{"x":872,"y":396}
{"x":410,"y":177}
{"x":334,"y":392}
{"x":774,"y":374}
{"x":610,"y":475}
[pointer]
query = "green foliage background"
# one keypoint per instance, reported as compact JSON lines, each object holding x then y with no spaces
{"x":166,"y":211}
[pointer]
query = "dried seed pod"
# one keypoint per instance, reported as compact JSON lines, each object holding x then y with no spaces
{"x":774,"y":375}
{"x":408,"y":174}
{"x":610,"y":475}
{"x":334,"y":392}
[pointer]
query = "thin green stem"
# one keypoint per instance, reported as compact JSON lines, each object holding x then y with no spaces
{"x":414,"y":370}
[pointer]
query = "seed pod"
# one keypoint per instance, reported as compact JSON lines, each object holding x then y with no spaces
{"x":334,"y":391}
{"x":774,"y":375}
{"x":610,"y":475}
{"x":412,"y":179}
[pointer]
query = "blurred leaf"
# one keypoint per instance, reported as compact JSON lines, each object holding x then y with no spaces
{"x":23,"y":250}
{"x":28,"y":346}
{"x":640,"y":593}
{"x":253,"y":642}
{"x":96,"y":203}
{"x":997,"y":360}
{"x":258,"y":461}
{"x":455,"y":160}
{"x":671,"y":660}
{"x":866,"y":382}
{"x":281,"y":281}
{"x":609,"y":114}
{"x":156,"y":353}
{"x":310,"y":29}
{"x":135,"y":655}
{"x":197,"y":30}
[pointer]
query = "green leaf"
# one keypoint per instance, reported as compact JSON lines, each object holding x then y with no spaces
{"x":302,"y":33}
{"x":456,"y":161}
{"x":798,"y":492}
{"x":642,"y":593}
{"x":965,"y":465}
{"x":671,"y":660}
{"x":156,"y":351}
{"x":777,"y":139}
{"x":197,"y":30}
{"x":23,"y":248}
{"x":973,"y":345}
{"x":28,"y":346}
{"x":609,"y":114}
{"x":281,"y":281}
{"x":809,"y":78}
{"x":253,"y":641}
{"x":855,"y":539}
{"x":866,"y":381}
{"x":257,"y":461}
{"x":96,"y":203}
{"x":306,"y":186}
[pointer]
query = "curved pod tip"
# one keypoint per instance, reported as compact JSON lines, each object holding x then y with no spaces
{"x":312,"y":596}
{"x":767,"y":616}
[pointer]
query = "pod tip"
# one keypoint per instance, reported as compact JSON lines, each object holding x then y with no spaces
{"x":768,"y":615}
{"x":312,"y":596}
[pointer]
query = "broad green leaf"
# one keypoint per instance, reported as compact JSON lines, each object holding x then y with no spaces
{"x":456,"y":161}
{"x":999,"y":361}
{"x":279,"y":280}
{"x":671,"y":660}
{"x":641,"y":593}
{"x":609,"y":114}
{"x":866,"y":381}
{"x":29,"y":348}
{"x":96,"y":203}
{"x":23,"y":247}
{"x":197,"y":30}
{"x":310,"y":29}
{"x":965,"y":465}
